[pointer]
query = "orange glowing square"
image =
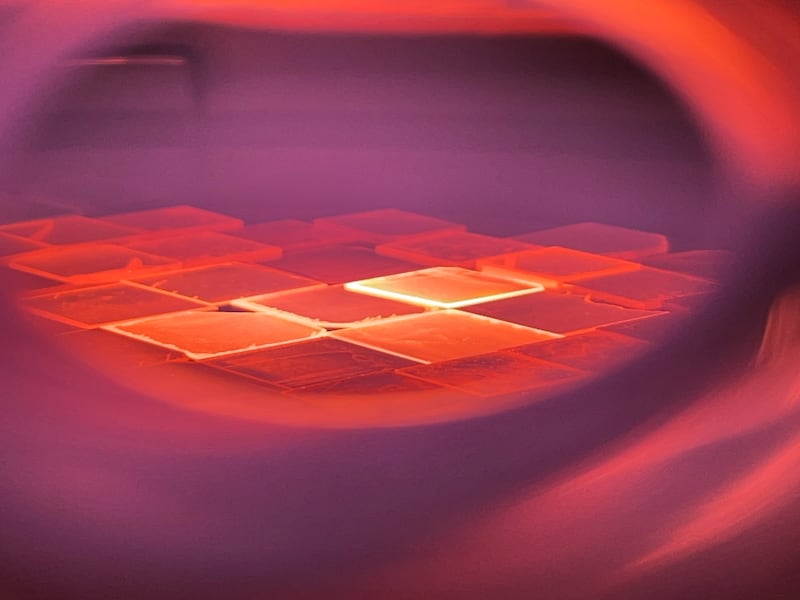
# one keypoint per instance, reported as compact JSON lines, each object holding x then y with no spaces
{"x":708,"y":264}
{"x":457,"y":249}
{"x":174,"y":219}
{"x":207,"y":247}
{"x":91,"y":263}
{"x":331,"y":307}
{"x":645,"y":288}
{"x":593,"y":351}
{"x":203,"y":334}
{"x":223,"y":283}
{"x":559,"y":313}
{"x":610,"y":240}
{"x":494,"y":374}
{"x":441,"y":335}
{"x":69,"y":229}
{"x":96,"y":306}
{"x":376,"y":387}
{"x":443,"y":287}
{"x":339,"y":264}
{"x":291,"y":235}
{"x":386,"y":225}
{"x":10,"y":245}
{"x":554,"y":264}
{"x":315,"y":362}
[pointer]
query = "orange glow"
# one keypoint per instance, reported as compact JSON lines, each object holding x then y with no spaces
{"x":484,"y":16}
{"x":332,"y":307}
{"x":340,"y":264}
{"x":266,"y":327}
{"x":226,"y":282}
{"x":441,"y":335}
{"x":443,"y":287}
{"x":455,"y":249}
{"x":381,"y":226}
{"x":176,"y":219}
{"x":310,"y":363}
{"x":206,"y":247}
{"x":91,"y":263}
{"x":592,"y":351}
{"x":96,"y":306}
{"x":291,"y":235}
{"x":597,"y":238}
{"x":645,"y":288}
{"x":352,"y":392}
{"x":201,"y":335}
{"x":554,"y":264}
{"x":69,"y":229}
{"x":495,"y":374}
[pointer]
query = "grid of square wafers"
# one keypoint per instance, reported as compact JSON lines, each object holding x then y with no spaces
{"x":367,"y":303}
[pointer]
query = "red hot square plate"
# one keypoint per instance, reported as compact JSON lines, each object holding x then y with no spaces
{"x":598,"y":238}
{"x":494,"y":374}
{"x":173,"y":219}
{"x":291,"y":235}
{"x":207,"y":247}
{"x":332,"y":307}
{"x":96,"y":306}
{"x":457,"y":249}
{"x":441,"y":335}
{"x":554,"y":264}
{"x":340,"y":264}
{"x":201,"y":335}
{"x":69,"y":229}
{"x":443,"y":287}
{"x":559,"y":313}
{"x":223,"y":283}
{"x":315,"y":362}
{"x":646,"y":288}
{"x":593,"y":351}
{"x":386,"y":225}
{"x":91,"y":263}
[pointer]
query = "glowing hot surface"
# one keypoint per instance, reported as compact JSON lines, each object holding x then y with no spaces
{"x":443,"y":287}
{"x":416,"y":316}
{"x":206,"y":334}
{"x":330,"y":306}
{"x":442,"y":335}
{"x":226,"y":282}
